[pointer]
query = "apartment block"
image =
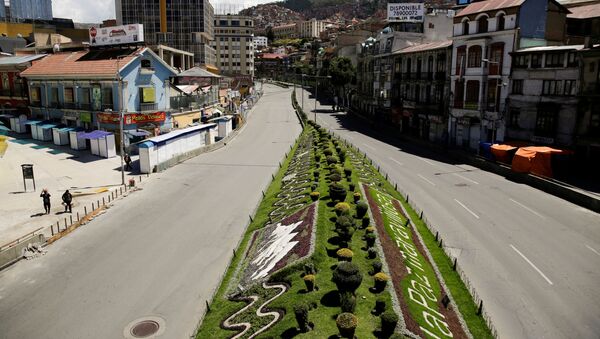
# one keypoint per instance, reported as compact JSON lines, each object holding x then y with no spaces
{"x":234,"y":44}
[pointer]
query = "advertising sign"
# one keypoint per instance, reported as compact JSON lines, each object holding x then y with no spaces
{"x":405,"y":12}
{"x":136,"y":118}
{"x":96,"y":98}
{"x":116,"y":35}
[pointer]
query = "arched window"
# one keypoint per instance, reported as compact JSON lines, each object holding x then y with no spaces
{"x":465,"y":27}
{"x":474,"y":56}
{"x":482,"y":24}
{"x":500,"y":22}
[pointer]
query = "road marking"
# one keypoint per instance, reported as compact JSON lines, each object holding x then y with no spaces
{"x":396,"y":161}
{"x":371,"y":147}
{"x":527,"y":208}
{"x":468,"y":210}
{"x":429,"y":181}
{"x":592,"y":249}
{"x":465,"y":178}
{"x":532,"y":265}
{"x":429,"y":162}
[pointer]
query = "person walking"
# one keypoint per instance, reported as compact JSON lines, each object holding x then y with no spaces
{"x":127,"y":159}
{"x":67,"y":198}
{"x":46,"y":199}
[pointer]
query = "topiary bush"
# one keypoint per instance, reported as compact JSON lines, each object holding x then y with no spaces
{"x":377,"y":265}
{"x":370,"y":239}
{"x":389,"y":320}
{"x":347,"y":277}
{"x":328,"y":152}
{"x":370,"y":229}
{"x":337,"y":192}
{"x":365,"y":222}
{"x":372,"y":253}
{"x":379,"y":306}
{"x":309,"y":281}
{"x":361,"y":209}
{"x":342,"y":208}
{"x":344,"y":221}
{"x":346,"y":324}
{"x":331,"y":160}
{"x":351,"y":186}
{"x":309,"y":268}
{"x":381,"y":280}
{"x":345,"y":254}
{"x":315,"y":195}
{"x":348,"y":171}
{"x":356,"y":196}
{"x":316,"y":174}
{"x":317,"y":157}
{"x":347,"y":302}
{"x":335,"y":177}
{"x":342,"y":155}
{"x":301,"y":313}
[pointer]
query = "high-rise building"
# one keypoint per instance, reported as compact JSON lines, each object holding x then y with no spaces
{"x":234,"y":44}
{"x":183,"y":24}
{"x":31,"y":9}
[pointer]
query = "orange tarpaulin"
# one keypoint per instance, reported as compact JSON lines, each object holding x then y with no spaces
{"x":534,"y":159}
{"x":503,"y":153}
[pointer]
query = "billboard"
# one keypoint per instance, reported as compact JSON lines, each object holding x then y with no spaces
{"x":405,"y":12}
{"x":131,"y":118}
{"x":116,"y":35}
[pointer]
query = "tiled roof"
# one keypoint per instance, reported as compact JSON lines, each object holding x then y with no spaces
{"x":273,"y":56}
{"x":489,"y":5}
{"x":425,"y":47}
{"x":17,"y":60}
{"x":584,"y":12}
{"x":80,"y":63}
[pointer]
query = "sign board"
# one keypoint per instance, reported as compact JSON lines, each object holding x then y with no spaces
{"x":116,"y":35}
{"x":27,"y":174}
{"x":405,"y":12}
{"x":136,"y":118}
{"x":85,"y":117}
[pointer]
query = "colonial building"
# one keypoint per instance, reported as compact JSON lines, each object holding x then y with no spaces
{"x":587,"y":144}
{"x":288,"y":31}
{"x":14,"y":96}
{"x":311,"y":28}
{"x":234,"y":44}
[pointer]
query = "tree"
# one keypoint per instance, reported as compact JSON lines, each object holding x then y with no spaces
{"x":270,"y":34}
{"x":342,"y":72}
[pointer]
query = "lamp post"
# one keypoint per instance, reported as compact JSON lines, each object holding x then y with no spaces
{"x":121,"y":117}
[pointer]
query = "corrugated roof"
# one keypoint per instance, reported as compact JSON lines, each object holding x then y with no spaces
{"x":489,"y":5}
{"x":80,"y":63}
{"x":197,"y":72}
{"x":550,"y":48}
{"x":425,"y":47}
{"x":17,"y":60}
{"x":584,"y":12}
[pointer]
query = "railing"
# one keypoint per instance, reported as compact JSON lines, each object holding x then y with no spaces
{"x":191,"y":102}
{"x":471,"y":105}
{"x":148,"y":107}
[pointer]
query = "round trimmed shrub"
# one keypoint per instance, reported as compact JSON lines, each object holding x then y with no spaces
{"x":328,"y":152}
{"x":316,"y":174}
{"x":389,"y":319}
{"x":342,"y":155}
{"x":301,"y":314}
{"x":347,"y":277}
{"x":345,"y":254}
{"x":348,"y":171}
{"x":376,"y":267}
{"x":338,"y":149}
{"x":370,"y":239}
{"x":335,"y":177}
{"x":370,"y":229}
{"x":337,"y":192}
{"x":336,"y":170}
{"x":356,"y":196}
{"x":379,"y":306}
{"x":345,"y":235}
{"x":313,"y":186}
{"x":351,"y":186}
{"x":331,"y":160}
{"x":347,"y":302}
{"x":365,"y":222}
{"x":344,"y":221}
{"x":381,"y":280}
{"x":372,"y":252}
{"x":309,"y":281}
{"x":315,"y":195}
{"x":317,"y":157}
{"x":361,"y":209}
{"x":342,"y":208}
{"x":346,"y":323}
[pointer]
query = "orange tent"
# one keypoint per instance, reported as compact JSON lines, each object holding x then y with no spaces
{"x":534,"y":159}
{"x":503,"y":153}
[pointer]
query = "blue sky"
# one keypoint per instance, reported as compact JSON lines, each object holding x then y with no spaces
{"x":91,"y":11}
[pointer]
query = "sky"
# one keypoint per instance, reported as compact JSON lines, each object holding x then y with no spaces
{"x":94,"y":11}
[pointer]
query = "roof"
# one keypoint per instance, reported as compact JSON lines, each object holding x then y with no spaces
{"x":82,"y":63}
{"x":272,"y":56}
{"x":187,"y":89}
{"x":425,"y":47}
{"x":584,"y":12}
{"x":161,"y":139}
{"x":197,"y":72}
{"x":489,"y":5}
{"x":18,"y":60}
{"x":550,"y":48}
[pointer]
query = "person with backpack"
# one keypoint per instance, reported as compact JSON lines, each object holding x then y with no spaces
{"x":67,"y":199}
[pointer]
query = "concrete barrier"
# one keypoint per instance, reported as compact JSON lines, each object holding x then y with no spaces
{"x":14,"y":253}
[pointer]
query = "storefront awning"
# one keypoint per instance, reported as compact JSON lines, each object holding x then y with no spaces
{"x":48,"y":126}
{"x":32,"y":122}
{"x":66,"y":129}
{"x":93,"y":135}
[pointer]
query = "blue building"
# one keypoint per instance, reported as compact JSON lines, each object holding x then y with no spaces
{"x":31,"y":9}
{"x":89,"y":89}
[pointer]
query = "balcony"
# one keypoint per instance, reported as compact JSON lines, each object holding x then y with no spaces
{"x":471,"y":106}
{"x":5,"y":92}
{"x":145,"y":107}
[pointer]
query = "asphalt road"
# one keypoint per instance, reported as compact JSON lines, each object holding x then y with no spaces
{"x":160,"y":252}
{"x":533,"y":258}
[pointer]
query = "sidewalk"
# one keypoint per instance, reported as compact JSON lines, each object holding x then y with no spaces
{"x":56,"y":168}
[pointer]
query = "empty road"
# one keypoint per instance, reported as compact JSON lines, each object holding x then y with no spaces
{"x":158,"y":253}
{"x":533,"y":258}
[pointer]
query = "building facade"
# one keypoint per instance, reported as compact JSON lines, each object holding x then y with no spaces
{"x":31,"y":9}
{"x":182,"y":24}
{"x":485,"y":33}
{"x":234,"y":44}
{"x":260,"y":42}
{"x":288,"y":31}
{"x":14,"y":96}
{"x":587,"y":143}
{"x":311,"y":28}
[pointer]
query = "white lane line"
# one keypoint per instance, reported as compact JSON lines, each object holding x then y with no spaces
{"x":429,"y":181}
{"x":467,"y":179}
{"x":429,"y":162}
{"x":396,"y":161}
{"x":527,"y":208}
{"x":592,"y":249}
{"x":468,"y":210}
{"x":371,"y":147}
{"x":532,"y":265}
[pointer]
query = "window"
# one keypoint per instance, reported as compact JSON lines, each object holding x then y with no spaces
{"x":495,"y":64}
{"x":147,"y":95}
{"x":85,"y":96}
{"x":146,"y":63}
{"x":521,"y":61}
{"x":592,"y":67}
{"x":500,"y":22}
{"x":536,"y":60}
{"x":459,"y":91}
{"x":517,"y":87}
{"x":54,"y":96}
{"x":461,"y":53}
{"x":474,"y":59}
{"x":569,"y":87}
{"x":472,"y":95}
{"x":493,"y":95}
{"x":68,"y":92}
{"x":5,"y":82}
{"x":107,"y":98}
{"x":235,"y":23}
{"x":513,"y":118}
{"x":482,"y":25}
{"x":572,"y":59}
{"x":222,"y":22}
{"x":465,"y":27}
{"x":441,"y":63}
{"x":555,"y":59}
{"x":551,"y":87}
{"x":35,"y":94}
{"x":545,"y":123}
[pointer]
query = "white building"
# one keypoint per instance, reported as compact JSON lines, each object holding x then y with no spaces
{"x":234,"y":44}
{"x":260,"y":42}
{"x":311,"y":28}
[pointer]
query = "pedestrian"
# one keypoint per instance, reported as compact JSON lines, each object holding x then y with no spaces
{"x":127,"y":159}
{"x":46,"y":199}
{"x":335,"y":103}
{"x":67,"y":198}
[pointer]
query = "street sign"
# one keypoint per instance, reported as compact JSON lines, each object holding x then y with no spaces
{"x":27,"y":174}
